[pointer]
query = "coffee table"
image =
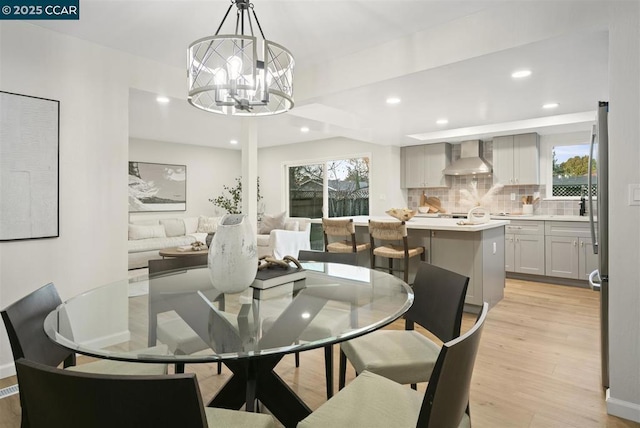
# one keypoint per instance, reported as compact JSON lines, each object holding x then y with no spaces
{"x":173,"y":252}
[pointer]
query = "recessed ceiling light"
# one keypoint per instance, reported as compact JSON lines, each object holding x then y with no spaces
{"x":393,"y":100}
{"x":442,"y":121}
{"x":550,"y":105}
{"x":304,"y":129}
{"x":520,"y":74}
{"x":162,"y":99}
{"x":234,"y":142}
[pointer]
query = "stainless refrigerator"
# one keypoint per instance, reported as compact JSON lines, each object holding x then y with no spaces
{"x":599,"y":279}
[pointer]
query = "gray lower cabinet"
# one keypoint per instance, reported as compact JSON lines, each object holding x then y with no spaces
{"x":525,"y":247}
{"x":569,"y":250}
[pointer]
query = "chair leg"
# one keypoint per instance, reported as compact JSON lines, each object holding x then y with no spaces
{"x":390,"y":266}
{"x":219,"y":367}
{"x":179,"y":368}
{"x":342,"y":370}
{"x":297,"y":357}
{"x":328,"y":369}
{"x":406,"y":270}
{"x":414,"y":386}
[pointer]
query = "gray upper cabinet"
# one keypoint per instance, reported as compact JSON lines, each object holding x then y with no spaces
{"x":422,"y":165}
{"x":516,"y":159}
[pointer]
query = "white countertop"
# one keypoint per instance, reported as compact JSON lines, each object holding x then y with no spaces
{"x":543,"y":217}
{"x":431,"y":223}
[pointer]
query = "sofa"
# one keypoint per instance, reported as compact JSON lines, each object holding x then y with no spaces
{"x":147,"y":237}
{"x":278,"y":236}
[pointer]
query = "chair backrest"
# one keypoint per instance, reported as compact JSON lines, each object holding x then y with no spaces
{"x":387,"y":230}
{"x":24,"y":321}
{"x":172,"y":263}
{"x":447,"y":395}
{"x":323,"y":256}
{"x":438,"y":301}
{"x":62,"y":398}
{"x":338,"y":227}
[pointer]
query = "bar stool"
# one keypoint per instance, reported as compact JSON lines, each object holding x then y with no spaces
{"x":395,"y":231}
{"x":345,"y":229}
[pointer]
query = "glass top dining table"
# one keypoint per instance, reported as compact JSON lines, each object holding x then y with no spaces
{"x":248,"y":331}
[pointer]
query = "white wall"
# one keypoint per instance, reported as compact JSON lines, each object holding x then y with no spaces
{"x":92,"y":88}
{"x":624,"y":220}
{"x":384,"y":178}
{"x":208,"y":169}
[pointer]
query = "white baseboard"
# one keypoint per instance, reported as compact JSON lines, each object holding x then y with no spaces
{"x":7,"y":370}
{"x":623,"y":409}
{"x":110,"y":340}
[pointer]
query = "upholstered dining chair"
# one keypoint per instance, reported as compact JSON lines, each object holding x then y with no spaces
{"x":345,"y":231}
{"x":174,"y":332}
{"x":407,"y":356}
{"x":389,"y":240}
{"x":328,"y":321}
{"x":375,"y":401}
{"x":59,"y":398}
{"x":24,"y":322}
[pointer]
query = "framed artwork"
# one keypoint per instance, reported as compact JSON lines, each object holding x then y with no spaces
{"x":157,"y":187}
{"x":29,"y":167}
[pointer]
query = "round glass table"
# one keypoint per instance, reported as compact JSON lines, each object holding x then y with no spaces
{"x":249,"y":332}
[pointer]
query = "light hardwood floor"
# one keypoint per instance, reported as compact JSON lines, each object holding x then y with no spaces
{"x":538,"y":364}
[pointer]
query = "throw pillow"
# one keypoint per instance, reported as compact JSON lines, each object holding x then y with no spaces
{"x":144,"y":232}
{"x":291,"y":225}
{"x":190,"y":224}
{"x":207,"y":224}
{"x":270,"y":222}
{"x":173,"y":227}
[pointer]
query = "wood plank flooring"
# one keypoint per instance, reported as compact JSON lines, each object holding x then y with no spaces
{"x":538,"y":364}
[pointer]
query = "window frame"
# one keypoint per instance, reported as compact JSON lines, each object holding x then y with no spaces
{"x":325,"y":181}
{"x":546,"y":160}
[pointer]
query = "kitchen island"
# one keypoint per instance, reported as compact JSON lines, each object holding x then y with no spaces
{"x":476,"y":251}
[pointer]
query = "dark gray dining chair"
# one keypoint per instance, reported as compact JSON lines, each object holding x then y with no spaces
{"x":326,"y":257}
{"x":372,"y":400}
{"x":24,"y":322}
{"x":438,"y":305}
{"x":60,"y":398}
{"x":175,"y":332}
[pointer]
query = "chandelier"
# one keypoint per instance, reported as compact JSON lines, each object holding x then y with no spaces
{"x":227,"y":76}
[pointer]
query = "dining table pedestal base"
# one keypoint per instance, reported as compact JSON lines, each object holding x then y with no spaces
{"x":254,"y":379}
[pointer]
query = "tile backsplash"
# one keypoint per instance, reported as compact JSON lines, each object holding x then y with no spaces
{"x":501,"y":202}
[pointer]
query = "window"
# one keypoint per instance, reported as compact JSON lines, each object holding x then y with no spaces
{"x":570,"y":171}
{"x":331,"y":188}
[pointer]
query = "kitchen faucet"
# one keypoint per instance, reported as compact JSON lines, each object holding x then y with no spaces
{"x":583,"y":205}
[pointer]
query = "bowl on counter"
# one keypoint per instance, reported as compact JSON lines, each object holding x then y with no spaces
{"x":424,"y":210}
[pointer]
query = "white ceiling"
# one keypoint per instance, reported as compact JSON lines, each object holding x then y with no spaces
{"x":478,"y":96}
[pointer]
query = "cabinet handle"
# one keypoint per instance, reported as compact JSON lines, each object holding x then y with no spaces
{"x":575,"y":243}
{"x":517,"y":239}
{"x":582,"y":244}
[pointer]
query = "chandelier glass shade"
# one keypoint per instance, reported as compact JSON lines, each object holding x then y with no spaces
{"x":238,"y":74}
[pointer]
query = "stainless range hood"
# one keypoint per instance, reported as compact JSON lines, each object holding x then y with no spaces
{"x":470,"y":162}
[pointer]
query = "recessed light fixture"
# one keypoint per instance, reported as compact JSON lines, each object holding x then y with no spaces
{"x":520,"y":74}
{"x":442,"y":121}
{"x":393,"y":100}
{"x":550,"y":105}
{"x":304,"y":129}
{"x":162,"y":99}
{"x":234,"y":142}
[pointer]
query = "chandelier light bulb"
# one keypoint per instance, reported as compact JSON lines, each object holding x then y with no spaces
{"x":234,"y":67}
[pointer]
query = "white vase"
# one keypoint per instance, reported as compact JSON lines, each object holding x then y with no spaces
{"x":233,"y":255}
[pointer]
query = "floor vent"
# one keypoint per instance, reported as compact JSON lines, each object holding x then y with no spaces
{"x":8,"y":391}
